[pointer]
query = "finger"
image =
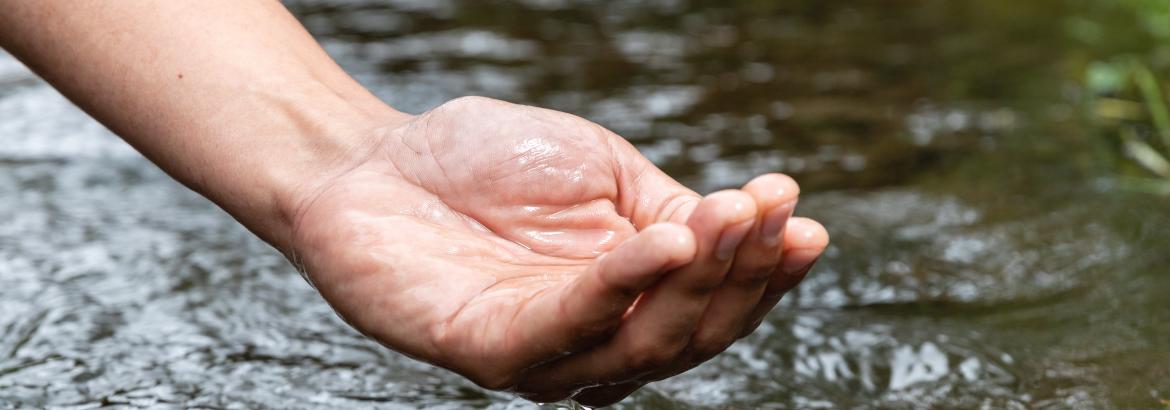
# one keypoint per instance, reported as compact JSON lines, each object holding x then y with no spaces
{"x":665,"y":316}
{"x":756,"y":258}
{"x":804,"y":242}
{"x":728,"y":320}
{"x":588,"y":308}
{"x":593,"y":304}
{"x":606,"y":395}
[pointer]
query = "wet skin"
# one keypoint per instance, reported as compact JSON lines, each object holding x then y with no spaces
{"x":534,"y":251}
{"x":526,"y":249}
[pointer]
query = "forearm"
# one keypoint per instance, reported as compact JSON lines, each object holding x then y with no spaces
{"x":231,"y":97}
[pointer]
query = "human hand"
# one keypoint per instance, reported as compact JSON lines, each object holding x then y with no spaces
{"x":506,"y":243}
{"x":534,"y":251}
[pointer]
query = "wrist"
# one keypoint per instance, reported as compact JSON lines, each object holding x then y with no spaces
{"x":293,"y":145}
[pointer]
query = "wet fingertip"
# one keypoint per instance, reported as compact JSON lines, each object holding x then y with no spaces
{"x":804,"y":242}
{"x":733,"y":204}
{"x":675,"y":241}
{"x":771,"y":189}
{"x":805,"y":233}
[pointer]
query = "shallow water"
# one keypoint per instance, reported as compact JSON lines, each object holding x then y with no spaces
{"x":983,"y":253}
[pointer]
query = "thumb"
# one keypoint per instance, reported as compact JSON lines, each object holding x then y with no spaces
{"x":592,"y":306}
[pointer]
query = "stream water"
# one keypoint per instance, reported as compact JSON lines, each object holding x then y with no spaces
{"x":983,"y":256}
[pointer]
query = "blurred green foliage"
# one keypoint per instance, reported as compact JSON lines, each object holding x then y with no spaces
{"x":1128,"y":96}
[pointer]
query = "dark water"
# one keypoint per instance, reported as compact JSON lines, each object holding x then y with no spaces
{"x":984,"y":255}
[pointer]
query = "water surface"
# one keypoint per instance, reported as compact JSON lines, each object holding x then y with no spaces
{"x":983,"y":254}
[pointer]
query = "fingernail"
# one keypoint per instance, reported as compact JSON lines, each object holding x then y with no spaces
{"x":774,"y":222}
{"x":795,"y":262}
{"x":730,"y":240}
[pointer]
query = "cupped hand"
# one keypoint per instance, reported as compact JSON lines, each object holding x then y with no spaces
{"x":534,"y":251}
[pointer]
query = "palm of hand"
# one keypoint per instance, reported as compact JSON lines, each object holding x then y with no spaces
{"x":473,"y":237}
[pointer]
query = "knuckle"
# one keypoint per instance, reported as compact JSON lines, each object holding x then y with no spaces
{"x":652,"y":355}
{"x":708,"y":344}
{"x":751,"y":276}
{"x":649,"y":359}
{"x":703,"y":285}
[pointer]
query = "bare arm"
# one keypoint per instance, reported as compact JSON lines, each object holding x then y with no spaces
{"x":507,"y":243}
{"x":232,"y":98}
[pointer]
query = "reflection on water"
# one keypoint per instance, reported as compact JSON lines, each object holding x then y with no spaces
{"x":980,"y":256}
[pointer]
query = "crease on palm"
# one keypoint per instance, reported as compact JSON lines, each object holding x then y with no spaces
{"x":531,"y":270}
{"x":471,"y":214}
